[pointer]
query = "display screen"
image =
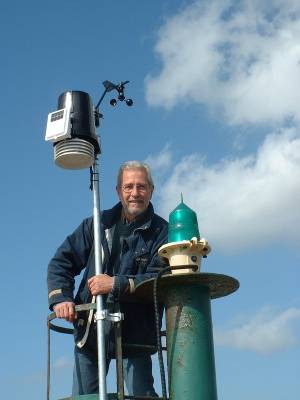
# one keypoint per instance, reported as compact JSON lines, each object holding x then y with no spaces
{"x":57,"y":115}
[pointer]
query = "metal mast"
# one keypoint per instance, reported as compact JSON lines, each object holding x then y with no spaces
{"x":101,"y":314}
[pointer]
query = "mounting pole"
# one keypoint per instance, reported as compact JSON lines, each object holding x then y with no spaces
{"x":100,"y":315}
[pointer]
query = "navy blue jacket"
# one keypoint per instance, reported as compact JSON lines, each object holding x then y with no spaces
{"x":139,"y":261}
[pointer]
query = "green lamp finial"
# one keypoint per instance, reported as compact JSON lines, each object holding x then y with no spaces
{"x":183,"y":224}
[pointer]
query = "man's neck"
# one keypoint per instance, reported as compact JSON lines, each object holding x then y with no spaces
{"x":127,"y":218}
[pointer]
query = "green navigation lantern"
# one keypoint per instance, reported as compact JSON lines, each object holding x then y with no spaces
{"x":183,"y":224}
{"x":185,"y":247}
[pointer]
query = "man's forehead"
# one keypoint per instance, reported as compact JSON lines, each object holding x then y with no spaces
{"x":133,"y":173}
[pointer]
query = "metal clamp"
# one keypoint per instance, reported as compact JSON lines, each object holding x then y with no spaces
{"x":105,"y":315}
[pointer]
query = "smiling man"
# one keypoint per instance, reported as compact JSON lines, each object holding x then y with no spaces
{"x":135,"y":188}
{"x":131,"y":236}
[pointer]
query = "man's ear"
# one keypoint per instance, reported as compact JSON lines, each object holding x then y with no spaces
{"x":152,"y":192}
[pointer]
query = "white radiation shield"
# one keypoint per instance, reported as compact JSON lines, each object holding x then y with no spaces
{"x":72,"y":130}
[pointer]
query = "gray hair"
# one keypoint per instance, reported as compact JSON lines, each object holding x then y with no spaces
{"x":135,"y":165}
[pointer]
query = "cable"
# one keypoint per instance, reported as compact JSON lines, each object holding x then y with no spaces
{"x":158,"y":336}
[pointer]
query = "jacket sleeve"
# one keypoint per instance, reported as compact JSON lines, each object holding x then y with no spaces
{"x":124,"y":283}
{"x":68,"y":261}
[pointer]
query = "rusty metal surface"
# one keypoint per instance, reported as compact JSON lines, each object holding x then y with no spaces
{"x":191,"y":366}
{"x":110,"y":396}
{"x":219,"y":285}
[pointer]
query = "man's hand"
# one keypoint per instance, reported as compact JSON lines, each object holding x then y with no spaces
{"x":65,"y":310}
{"x":100,"y":284}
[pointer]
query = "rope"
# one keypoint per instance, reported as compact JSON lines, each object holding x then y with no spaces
{"x":60,"y":329}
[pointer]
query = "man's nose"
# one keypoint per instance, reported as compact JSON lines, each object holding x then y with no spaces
{"x":134,"y":191}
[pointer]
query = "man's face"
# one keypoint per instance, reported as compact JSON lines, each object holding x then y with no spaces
{"x":134,"y":192}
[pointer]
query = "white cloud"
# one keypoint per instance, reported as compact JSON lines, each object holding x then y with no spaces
{"x":265,"y":332}
{"x":242,"y":202}
{"x":160,"y":161}
{"x":242,"y":58}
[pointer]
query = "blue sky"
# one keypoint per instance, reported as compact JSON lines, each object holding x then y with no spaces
{"x":216,"y":114}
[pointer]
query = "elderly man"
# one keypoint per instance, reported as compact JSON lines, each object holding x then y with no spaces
{"x":131,"y":235}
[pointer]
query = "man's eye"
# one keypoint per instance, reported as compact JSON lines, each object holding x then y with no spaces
{"x":141,"y":187}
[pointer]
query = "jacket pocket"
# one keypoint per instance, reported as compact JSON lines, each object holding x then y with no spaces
{"x":141,"y":263}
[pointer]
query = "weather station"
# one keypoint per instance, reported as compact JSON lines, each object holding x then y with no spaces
{"x":182,"y":288}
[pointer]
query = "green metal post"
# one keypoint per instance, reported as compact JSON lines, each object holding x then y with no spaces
{"x":190,"y":347}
